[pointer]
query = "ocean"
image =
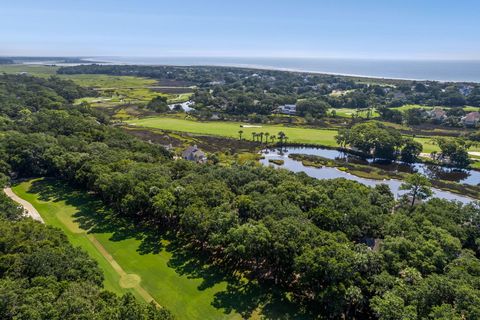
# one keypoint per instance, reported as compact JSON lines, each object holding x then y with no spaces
{"x":439,"y":70}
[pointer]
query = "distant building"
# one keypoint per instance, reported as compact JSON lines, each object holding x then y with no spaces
{"x":437,"y":114}
{"x":465,"y":90}
{"x":471,"y":119}
{"x":290,"y":109}
{"x":216,"y":83}
{"x":193,"y":153}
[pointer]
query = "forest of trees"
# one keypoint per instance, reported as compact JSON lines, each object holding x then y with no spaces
{"x":240,"y":91}
{"x":379,"y":141}
{"x":309,"y":238}
{"x":43,"y":277}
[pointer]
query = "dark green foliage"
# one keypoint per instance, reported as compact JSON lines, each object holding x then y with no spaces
{"x":8,"y":209}
{"x":158,"y":104}
{"x":6,"y":61}
{"x":19,"y":92}
{"x":43,"y":277}
{"x":411,"y":150}
{"x":336,"y":248}
{"x":31,"y":250}
{"x":454,"y":151}
{"x":314,"y":107}
{"x":242,"y":92}
{"x":373,"y":139}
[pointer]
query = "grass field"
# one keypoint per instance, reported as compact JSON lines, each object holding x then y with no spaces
{"x":32,"y":69}
{"x":417,"y":106}
{"x":230,"y":129}
{"x":348,"y":112}
{"x":113,"y":90}
{"x":165,"y":275}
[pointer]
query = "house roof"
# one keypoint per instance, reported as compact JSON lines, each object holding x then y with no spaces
{"x":438,"y":112}
{"x":189,"y":150}
{"x":193,"y":150}
{"x":472,"y":117}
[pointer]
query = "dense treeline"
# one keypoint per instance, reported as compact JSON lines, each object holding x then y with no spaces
{"x":41,"y":275}
{"x":6,"y":61}
{"x":334,"y":246}
{"x":29,"y":94}
{"x":376,"y":140}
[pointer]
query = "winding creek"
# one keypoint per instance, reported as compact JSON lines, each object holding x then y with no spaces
{"x":434,"y":172}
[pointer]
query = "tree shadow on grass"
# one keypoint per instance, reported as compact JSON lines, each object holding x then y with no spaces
{"x":195,"y":264}
{"x":92,"y":215}
{"x":241,"y":295}
{"x":246,"y":297}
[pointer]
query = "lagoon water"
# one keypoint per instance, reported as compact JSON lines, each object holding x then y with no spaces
{"x":440,"y":70}
{"x":332,"y":173}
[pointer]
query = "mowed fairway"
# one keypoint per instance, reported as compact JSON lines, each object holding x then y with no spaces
{"x":323,"y":137}
{"x":74,"y":212}
{"x":230,"y":129}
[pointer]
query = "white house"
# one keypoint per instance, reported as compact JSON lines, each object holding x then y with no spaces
{"x":290,"y":109}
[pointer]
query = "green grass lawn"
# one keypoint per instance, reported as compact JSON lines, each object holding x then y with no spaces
{"x":31,"y":69}
{"x":428,"y":145}
{"x":59,"y":214}
{"x":418,"y":106}
{"x":347,"y":112}
{"x":230,"y":129}
{"x":114,"y":90}
{"x":166,"y":275}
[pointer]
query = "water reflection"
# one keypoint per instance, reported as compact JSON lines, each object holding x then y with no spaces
{"x":470,"y":177}
{"x":332,"y":173}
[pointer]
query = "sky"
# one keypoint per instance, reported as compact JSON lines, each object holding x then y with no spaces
{"x":380,"y":29}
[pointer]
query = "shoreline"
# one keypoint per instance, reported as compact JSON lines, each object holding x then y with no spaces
{"x":274,"y":68}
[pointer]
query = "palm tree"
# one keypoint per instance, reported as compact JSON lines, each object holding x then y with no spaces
{"x":240,"y":132}
{"x":281,"y":136}
{"x":254,"y":135}
{"x":261,"y":136}
{"x":272,"y":138}
{"x":266,"y":136}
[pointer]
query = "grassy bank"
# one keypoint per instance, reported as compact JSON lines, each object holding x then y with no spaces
{"x":295,"y":134}
{"x":158,"y":266}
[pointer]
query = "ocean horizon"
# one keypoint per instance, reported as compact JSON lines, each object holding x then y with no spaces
{"x":435,"y":70}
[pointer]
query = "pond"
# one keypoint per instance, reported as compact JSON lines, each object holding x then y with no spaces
{"x":466,"y":176}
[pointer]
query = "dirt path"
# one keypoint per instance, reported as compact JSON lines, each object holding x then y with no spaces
{"x":29,"y":209}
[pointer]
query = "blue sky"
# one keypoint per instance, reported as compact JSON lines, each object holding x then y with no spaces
{"x":406,"y":29}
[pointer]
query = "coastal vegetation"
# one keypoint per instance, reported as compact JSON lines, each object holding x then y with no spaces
{"x":296,"y":134}
{"x":43,"y":276}
{"x":120,"y":250}
{"x":238,"y":239}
